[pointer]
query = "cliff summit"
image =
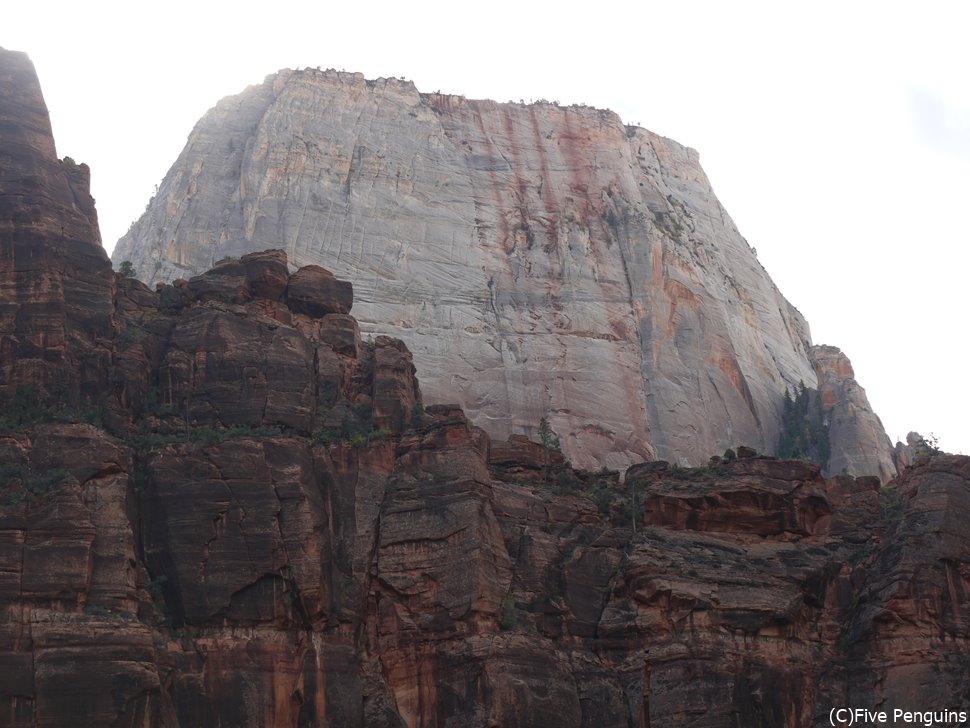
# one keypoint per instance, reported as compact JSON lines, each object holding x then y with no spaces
{"x":539,"y":260}
{"x":220,"y":505}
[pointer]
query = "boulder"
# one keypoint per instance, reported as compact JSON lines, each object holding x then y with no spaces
{"x":315,"y":291}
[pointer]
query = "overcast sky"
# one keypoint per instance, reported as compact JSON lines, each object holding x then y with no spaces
{"x":836,"y":134}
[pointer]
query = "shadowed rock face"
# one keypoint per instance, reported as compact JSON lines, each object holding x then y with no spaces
{"x":55,"y":279}
{"x":540,"y":261}
{"x":280,"y":582}
{"x":260,"y":527}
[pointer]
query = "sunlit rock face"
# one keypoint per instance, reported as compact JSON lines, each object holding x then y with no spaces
{"x":540,"y":261}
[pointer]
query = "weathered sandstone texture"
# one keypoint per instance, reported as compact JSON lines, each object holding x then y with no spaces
{"x":540,"y":261}
{"x":850,"y":418}
{"x":262,"y":525}
{"x":272,"y":581}
{"x":55,"y":289}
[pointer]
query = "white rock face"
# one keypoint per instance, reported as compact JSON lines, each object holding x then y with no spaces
{"x":851,"y":419}
{"x":538,"y":260}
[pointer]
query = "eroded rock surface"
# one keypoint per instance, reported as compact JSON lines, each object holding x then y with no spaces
{"x":850,"y":418}
{"x":540,"y":261}
{"x":263,"y":524}
{"x":55,"y":279}
{"x":273,"y":581}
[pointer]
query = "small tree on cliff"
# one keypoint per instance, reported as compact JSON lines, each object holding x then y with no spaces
{"x":927,"y":446}
{"x":550,"y":441}
{"x":127,"y":269}
{"x":804,"y":429}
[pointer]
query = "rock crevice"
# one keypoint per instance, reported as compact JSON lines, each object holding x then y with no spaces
{"x":220,"y":506}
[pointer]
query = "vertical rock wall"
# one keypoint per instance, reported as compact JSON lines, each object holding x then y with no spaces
{"x":540,"y":261}
{"x":850,"y":418}
{"x":260,"y":527}
{"x":56,"y":281}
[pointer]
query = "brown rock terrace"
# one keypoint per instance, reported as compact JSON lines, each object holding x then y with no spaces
{"x":220,"y":506}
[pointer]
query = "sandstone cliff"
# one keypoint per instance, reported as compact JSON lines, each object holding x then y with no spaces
{"x":850,"y":419}
{"x":55,"y":282}
{"x":540,"y":261}
{"x":260,"y":525}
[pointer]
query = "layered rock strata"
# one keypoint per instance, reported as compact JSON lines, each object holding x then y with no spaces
{"x":541,"y":261}
{"x":274,"y":581}
{"x":55,"y":287}
{"x":261,"y":526}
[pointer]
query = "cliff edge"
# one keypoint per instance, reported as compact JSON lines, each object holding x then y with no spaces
{"x":539,"y":260}
{"x":220,"y":505}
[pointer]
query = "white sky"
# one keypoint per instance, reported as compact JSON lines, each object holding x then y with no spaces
{"x":837,"y":134}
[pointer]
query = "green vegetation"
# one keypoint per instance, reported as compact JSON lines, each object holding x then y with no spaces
{"x":550,"y":441}
{"x":139,"y":481}
{"x":356,"y":427}
{"x":206,"y":435}
{"x":156,"y":588}
{"x":30,"y":407}
{"x":600,"y":489}
{"x":325,"y":436}
{"x":418,"y":415}
{"x":128,"y":337}
{"x":928,"y":446}
{"x":169,"y":300}
{"x":599,"y":493}
{"x":26,"y":409}
{"x":360,"y":439}
{"x":20,"y":482}
{"x":155,"y":407}
{"x":567,"y":482}
{"x":892,"y":504}
{"x":211,"y":435}
{"x":804,"y":429}
{"x":508,"y":617}
{"x":547,"y":437}
{"x":127,"y":269}
{"x":170,"y":431}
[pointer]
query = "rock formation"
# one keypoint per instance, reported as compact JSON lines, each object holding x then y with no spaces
{"x":262,"y":524}
{"x":850,"y":418}
{"x":55,"y":283}
{"x":540,"y":261}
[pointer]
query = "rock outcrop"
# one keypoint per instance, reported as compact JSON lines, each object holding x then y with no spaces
{"x":55,"y":280}
{"x":540,"y":261}
{"x":850,"y":418}
{"x":263,"y":524}
{"x":274,"y":581}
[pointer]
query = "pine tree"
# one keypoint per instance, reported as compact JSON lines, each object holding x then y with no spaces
{"x":550,"y":441}
{"x":804,"y":430}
